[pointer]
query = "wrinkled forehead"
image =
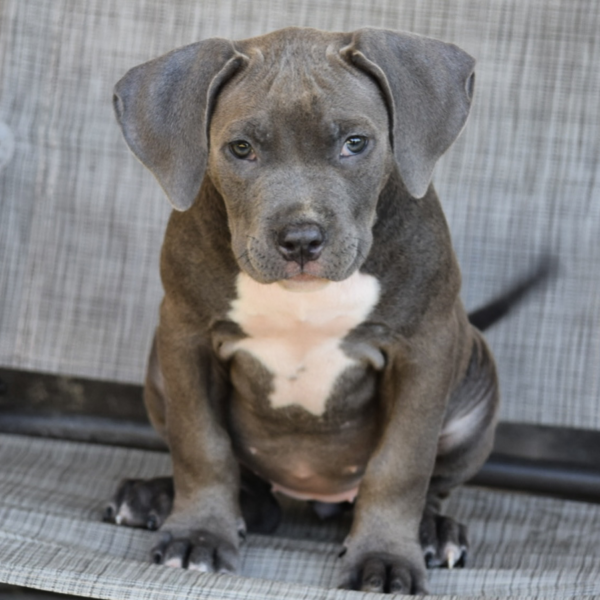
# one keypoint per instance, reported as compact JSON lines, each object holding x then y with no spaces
{"x":296,"y":84}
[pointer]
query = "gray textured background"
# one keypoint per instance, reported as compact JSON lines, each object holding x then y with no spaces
{"x":81,"y":221}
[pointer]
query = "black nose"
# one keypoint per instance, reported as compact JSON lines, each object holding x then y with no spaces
{"x":301,"y":243}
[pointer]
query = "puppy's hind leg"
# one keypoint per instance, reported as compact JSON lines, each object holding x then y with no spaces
{"x":146,"y":503}
{"x":465,"y":443}
{"x":142,"y":503}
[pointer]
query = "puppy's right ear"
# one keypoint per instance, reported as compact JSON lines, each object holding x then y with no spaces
{"x":164,"y":108}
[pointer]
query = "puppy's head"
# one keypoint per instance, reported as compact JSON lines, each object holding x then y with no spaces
{"x":299,"y":131}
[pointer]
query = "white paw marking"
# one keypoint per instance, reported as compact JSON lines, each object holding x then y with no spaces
{"x":124,"y":515}
{"x":200,"y":567}
{"x":174,"y":563}
{"x":297,"y":335}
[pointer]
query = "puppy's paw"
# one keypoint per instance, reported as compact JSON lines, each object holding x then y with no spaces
{"x":385,"y":573}
{"x":444,"y":541}
{"x":199,"y":550}
{"x":141,"y":503}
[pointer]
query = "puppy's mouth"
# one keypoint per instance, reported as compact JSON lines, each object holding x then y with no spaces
{"x":305,"y":278}
{"x":304,"y":282}
{"x":264,"y":265}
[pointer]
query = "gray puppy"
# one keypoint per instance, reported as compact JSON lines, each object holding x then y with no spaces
{"x":311,"y":332}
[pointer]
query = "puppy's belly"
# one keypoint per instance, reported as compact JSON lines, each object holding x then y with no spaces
{"x":307,"y":469}
{"x":335,"y":497}
{"x":331,"y":496}
{"x":305,"y":456}
{"x":297,"y":335}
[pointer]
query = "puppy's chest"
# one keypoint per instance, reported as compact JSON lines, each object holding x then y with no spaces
{"x":297,"y":336}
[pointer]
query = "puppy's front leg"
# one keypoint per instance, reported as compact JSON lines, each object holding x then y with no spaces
{"x":383,"y":553}
{"x":203,"y":529}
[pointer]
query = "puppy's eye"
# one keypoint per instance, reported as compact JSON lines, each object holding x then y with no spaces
{"x":242,"y":149}
{"x":355,"y":144}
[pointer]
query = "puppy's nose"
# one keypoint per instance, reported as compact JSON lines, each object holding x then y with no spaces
{"x":301,"y":243}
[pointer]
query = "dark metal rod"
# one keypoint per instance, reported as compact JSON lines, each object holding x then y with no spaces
{"x":555,"y":461}
{"x":541,"y":477}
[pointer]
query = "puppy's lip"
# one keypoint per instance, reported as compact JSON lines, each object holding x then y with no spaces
{"x":303,"y":282}
{"x":305,"y":277}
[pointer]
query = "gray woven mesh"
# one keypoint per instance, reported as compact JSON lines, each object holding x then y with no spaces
{"x":81,"y":221}
{"x":51,"y":536}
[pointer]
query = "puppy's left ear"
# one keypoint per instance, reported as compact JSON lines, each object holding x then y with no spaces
{"x":428,"y":86}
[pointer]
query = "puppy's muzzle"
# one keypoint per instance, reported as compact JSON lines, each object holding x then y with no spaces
{"x":301,"y":243}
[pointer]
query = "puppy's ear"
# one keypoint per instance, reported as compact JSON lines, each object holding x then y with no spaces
{"x":164,"y":107}
{"x":428,"y":86}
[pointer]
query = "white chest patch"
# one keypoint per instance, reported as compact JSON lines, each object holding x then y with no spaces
{"x":296,"y":335}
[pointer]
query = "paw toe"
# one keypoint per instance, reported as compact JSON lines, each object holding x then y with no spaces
{"x":200,"y":551}
{"x":109,"y":513}
{"x":141,"y":503}
{"x":385,"y":573}
{"x":444,"y":542}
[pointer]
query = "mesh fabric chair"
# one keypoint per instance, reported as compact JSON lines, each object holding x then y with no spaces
{"x":81,"y":224}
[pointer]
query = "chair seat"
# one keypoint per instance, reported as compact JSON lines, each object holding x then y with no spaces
{"x":52,"y":494}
